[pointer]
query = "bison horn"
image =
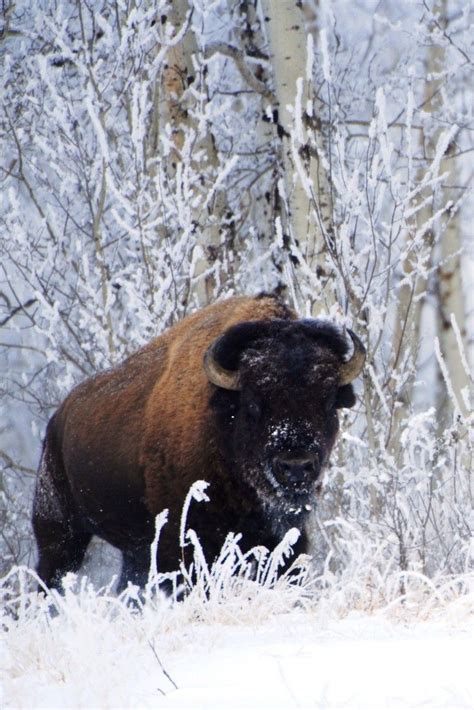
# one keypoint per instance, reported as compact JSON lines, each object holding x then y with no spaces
{"x":353,"y":367}
{"x":218,"y":375}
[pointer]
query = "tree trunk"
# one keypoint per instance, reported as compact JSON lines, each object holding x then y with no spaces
{"x":306,"y":214}
{"x":451,"y":316}
{"x":178,"y":111}
{"x":444,"y":230}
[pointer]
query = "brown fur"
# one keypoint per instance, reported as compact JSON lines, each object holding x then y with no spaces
{"x":183,"y":422}
{"x":129,"y":442}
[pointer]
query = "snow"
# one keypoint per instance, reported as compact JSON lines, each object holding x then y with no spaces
{"x":305,"y":658}
{"x":356,"y":663}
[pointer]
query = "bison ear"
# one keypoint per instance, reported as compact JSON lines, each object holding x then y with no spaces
{"x":345,"y":397}
{"x":221,"y":360}
{"x":228,"y":348}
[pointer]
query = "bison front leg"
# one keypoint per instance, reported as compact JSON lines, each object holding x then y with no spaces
{"x":135,"y":567}
{"x":136,"y":560}
{"x":61,"y":539}
{"x":61,"y":549}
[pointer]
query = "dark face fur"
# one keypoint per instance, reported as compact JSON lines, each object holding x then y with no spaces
{"x":278,"y":430}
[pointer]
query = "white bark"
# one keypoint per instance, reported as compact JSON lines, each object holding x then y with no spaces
{"x":451,"y":314}
{"x":305,"y":179}
{"x":177,"y":112}
{"x":441,"y":241}
{"x":260,"y":208}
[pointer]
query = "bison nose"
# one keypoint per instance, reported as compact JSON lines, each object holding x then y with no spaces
{"x":297,"y":470}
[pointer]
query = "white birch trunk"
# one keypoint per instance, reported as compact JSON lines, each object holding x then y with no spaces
{"x":176,"y":111}
{"x":449,"y":291}
{"x":306,"y":190}
{"x":261,"y":211}
{"x":451,"y":313}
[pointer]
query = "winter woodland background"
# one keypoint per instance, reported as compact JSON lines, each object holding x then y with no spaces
{"x":158,"y":155}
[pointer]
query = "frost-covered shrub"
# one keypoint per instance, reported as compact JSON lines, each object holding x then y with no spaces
{"x":145,"y":171}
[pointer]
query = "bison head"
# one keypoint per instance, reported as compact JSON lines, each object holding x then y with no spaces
{"x":279,"y":386}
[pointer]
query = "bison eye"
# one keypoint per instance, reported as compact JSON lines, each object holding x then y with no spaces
{"x":254,"y":410}
{"x":330,"y":402}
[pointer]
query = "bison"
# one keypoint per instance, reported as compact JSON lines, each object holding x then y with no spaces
{"x":242,"y":394}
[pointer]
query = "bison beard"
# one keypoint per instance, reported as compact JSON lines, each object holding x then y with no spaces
{"x":241,"y":394}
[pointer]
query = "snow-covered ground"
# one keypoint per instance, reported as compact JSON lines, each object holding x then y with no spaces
{"x":249,"y":653}
{"x":293,"y":662}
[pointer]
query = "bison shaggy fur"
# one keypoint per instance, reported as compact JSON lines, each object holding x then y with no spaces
{"x":241,"y":394}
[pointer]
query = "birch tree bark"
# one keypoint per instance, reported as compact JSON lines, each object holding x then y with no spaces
{"x":262,"y":208}
{"x":182,"y":80}
{"x":451,"y":303}
{"x":306,"y":214}
{"x":451,"y":312}
{"x":443,"y":230}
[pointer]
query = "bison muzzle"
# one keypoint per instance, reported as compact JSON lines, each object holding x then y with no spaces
{"x":241,"y":394}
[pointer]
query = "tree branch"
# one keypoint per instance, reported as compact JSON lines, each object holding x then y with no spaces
{"x":10,"y":463}
{"x":229,"y":51}
{"x":16,"y":310}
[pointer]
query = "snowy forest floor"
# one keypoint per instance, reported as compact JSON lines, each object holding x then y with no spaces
{"x":256,"y":650}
